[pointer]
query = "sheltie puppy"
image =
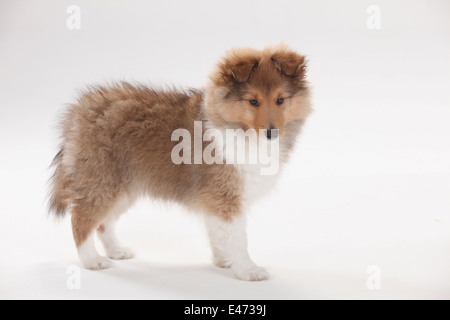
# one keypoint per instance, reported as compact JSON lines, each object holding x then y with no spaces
{"x":118,"y":144}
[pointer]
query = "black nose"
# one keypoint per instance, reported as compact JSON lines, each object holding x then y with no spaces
{"x":272,"y":133}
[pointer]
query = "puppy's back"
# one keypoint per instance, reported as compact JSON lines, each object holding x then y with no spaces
{"x":118,"y":139}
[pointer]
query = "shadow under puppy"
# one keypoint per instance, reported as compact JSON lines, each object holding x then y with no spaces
{"x":116,"y":147}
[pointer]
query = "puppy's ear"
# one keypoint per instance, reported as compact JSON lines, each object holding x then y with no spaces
{"x":239,"y":70}
{"x":290,"y":64}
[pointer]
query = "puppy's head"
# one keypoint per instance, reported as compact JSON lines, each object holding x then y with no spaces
{"x":253,"y":89}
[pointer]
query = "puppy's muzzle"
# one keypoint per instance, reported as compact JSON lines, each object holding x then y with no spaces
{"x":272,"y":134}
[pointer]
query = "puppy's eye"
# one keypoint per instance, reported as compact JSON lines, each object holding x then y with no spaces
{"x":254,"y":103}
{"x":280,"y":101}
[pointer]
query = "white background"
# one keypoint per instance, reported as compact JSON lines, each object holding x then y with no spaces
{"x":368,"y":185}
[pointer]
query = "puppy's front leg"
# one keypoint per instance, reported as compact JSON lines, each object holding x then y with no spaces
{"x":229,"y":245}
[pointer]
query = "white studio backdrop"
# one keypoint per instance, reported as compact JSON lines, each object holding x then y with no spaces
{"x":363,"y":209}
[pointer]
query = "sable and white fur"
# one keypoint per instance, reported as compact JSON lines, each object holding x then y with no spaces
{"x":116,"y":146}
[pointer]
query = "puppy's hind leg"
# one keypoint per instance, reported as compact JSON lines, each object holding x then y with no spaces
{"x":107,"y":231}
{"x":83,"y":227}
{"x":107,"y":234}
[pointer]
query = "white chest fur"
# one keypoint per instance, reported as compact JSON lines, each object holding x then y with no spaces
{"x":258,"y":177}
{"x":256,"y":185}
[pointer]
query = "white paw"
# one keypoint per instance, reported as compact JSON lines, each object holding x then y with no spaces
{"x":221,"y":263}
{"x":254,"y":273}
{"x":121,"y":254}
{"x":99,"y":263}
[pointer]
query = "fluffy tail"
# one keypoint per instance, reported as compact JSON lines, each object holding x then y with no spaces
{"x":57,"y":197}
